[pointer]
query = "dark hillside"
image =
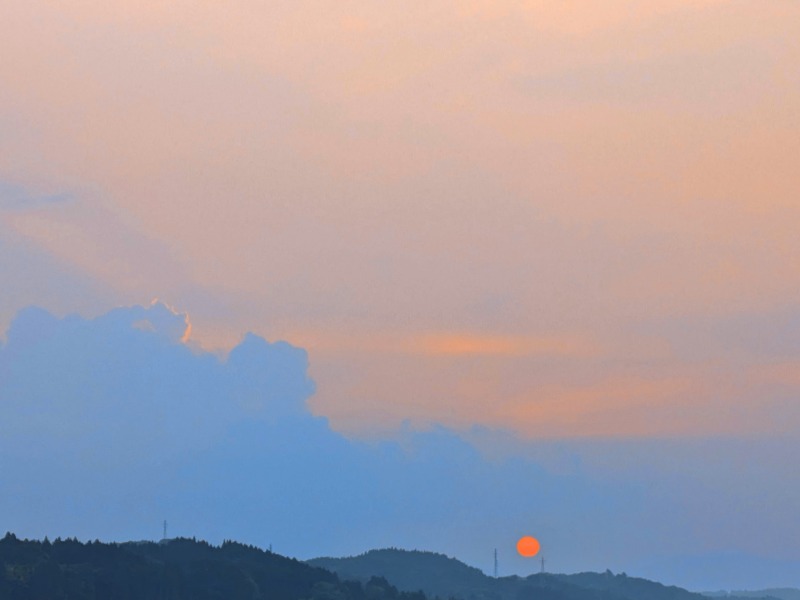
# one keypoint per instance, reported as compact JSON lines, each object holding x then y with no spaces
{"x":438,"y":575}
{"x":435,"y":573}
{"x":179,"y":569}
{"x":628,"y":587}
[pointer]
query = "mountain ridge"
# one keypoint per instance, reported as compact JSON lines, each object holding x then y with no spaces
{"x":439,"y":575}
{"x":184,"y":569}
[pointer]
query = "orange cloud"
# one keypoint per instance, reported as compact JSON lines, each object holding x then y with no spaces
{"x":466,"y":344}
{"x":416,"y":192}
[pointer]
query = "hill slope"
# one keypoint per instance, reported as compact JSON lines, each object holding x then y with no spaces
{"x":438,"y":575}
{"x":435,"y":573}
{"x":179,"y":569}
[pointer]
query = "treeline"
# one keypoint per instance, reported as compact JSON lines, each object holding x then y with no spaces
{"x":178,"y":569}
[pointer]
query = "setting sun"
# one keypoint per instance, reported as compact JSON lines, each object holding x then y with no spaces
{"x":528,"y":546}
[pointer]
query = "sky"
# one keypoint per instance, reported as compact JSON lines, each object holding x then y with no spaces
{"x":544,"y":248}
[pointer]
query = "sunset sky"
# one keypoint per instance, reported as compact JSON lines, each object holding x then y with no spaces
{"x":551,"y":228}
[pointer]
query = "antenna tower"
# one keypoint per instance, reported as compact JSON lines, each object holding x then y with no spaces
{"x":165,"y":529}
{"x":542,"y":564}
{"x":495,"y":563}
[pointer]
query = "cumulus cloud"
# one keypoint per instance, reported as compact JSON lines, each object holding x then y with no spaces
{"x":125,"y":385}
{"x":120,"y":411}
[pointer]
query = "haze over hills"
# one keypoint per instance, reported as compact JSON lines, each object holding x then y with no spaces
{"x":178,"y":569}
{"x":438,"y":575}
{"x":779,"y":593}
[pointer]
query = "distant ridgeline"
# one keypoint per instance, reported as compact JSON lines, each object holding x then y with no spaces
{"x":438,"y":575}
{"x":175,"y":569}
{"x":184,"y":569}
{"x":772,"y":593}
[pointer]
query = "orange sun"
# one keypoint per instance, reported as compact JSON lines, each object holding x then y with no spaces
{"x":528,"y":546}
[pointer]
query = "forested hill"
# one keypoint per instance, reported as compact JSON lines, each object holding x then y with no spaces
{"x":435,"y":573}
{"x":438,"y":575}
{"x":170,"y":570}
{"x":183,"y":569}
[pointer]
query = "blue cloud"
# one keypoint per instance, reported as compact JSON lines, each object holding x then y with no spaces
{"x":116,"y":411}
